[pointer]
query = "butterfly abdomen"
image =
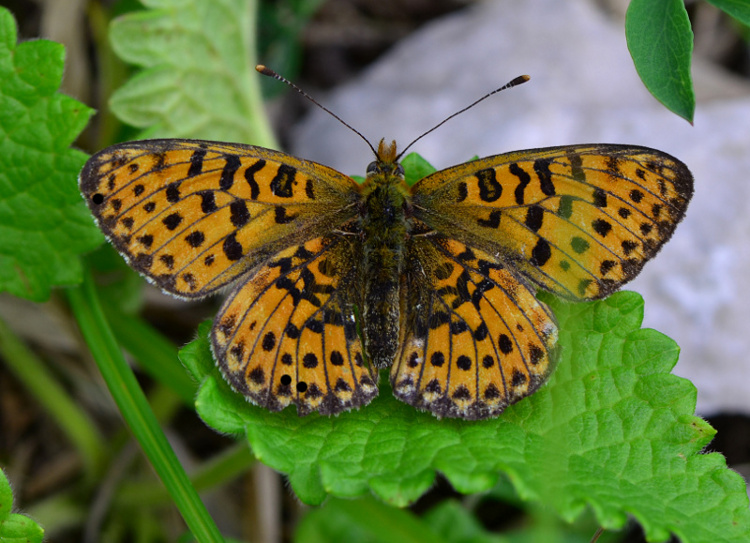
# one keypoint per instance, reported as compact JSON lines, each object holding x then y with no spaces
{"x":384,"y":228}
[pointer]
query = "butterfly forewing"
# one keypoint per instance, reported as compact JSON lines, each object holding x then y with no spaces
{"x":577,"y":220}
{"x":193,"y":216}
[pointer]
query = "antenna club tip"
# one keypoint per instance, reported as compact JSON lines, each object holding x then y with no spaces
{"x":260,"y":68}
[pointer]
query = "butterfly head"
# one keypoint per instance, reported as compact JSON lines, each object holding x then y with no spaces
{"x":386,"y":162}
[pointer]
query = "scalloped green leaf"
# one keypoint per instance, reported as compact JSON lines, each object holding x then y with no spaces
{"x":660,"y":41}
{"x":15,"y":528}
{"x":198,"y":79}
{"x":44,"y":224}
{"x":613,"y":430}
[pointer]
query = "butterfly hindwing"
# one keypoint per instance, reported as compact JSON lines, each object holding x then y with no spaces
{"x":578,"y":220}
{"x":288,"y":335}
{"x":475,"y":337}
{"x":194,"y":215}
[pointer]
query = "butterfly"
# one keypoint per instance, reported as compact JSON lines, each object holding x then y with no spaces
{"x":332,"y":280}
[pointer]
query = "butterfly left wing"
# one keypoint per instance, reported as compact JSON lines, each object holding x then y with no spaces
{"x":193,"y":216}
{"x":577,"y":220}
{"x":288,"y":334}
{"x":475,"y":339}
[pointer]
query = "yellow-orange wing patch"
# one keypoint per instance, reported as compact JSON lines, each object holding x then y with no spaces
{"x":577,"y":220}
{"x":475,"y":337}
{"x":194,"y":215}
{"x":288,"y":335}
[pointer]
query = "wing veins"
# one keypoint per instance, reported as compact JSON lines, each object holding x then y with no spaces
{"x":500,"y":316}
{"x":267,"y":288}
{"x":499,"y":313}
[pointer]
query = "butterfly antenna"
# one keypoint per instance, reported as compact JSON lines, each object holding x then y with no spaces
{"x":260,"y":68}
{"x":514,"y":83}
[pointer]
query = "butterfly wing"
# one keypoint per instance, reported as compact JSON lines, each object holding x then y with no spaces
{"x":194,"y":215}
{"x":577,"y":220}
{"x":475,"y":337}
{"x":288,"y":335}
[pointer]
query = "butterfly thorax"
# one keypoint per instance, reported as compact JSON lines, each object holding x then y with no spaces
{"x":384,"y":226}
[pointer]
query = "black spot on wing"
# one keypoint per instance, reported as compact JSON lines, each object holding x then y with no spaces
{"x":208,"y":201}
{"x":173,"y":192}
{"x":281,"y":216}
{"x":282,"y":185}
{"x":231,"y":166}
{"x":309,"y":189}
{"x":489,"y":188}
{"x":232,"y":248}
{"x":541,"y":167}
{"x":196,"y":162}
{"x":523,"y":180}
{"x":600,"y":198}
{"x":463,"y":192}
{"x":172,"y":221}
{"x":493,"y":221}
{"x":250,"y":178}
{"x":541,"y":253}
{"x":195,"y":239}
{"x":240,"y":215}
{"x":534,"y":217}
{"x":601,"y":227}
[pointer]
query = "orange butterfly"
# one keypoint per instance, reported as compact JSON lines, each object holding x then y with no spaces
{"x":334,"y":280}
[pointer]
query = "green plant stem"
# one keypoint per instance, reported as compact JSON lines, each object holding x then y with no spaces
{"x":37,"y":378}
{"x":135,"y":410}
{"x":223,"y":468}
{"x":156,"y":354}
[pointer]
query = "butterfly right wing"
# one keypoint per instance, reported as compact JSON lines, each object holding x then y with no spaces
{"x":578,"y":220}
{"x":192,"y":216}
{"x":474,"y":339}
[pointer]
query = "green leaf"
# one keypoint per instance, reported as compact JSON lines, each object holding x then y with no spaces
{"x":44,"y":225}
{"x":15,"y":528}
{"x":612,"y":430}
{"x":739,"y":9}
{"x":457,"y":525}
{"x":416,"y":168}
{"x":660,"y":41}
{"x":198,"y":80}
{"x":365,"y":521}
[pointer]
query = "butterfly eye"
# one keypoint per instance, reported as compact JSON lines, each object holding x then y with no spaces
{"x":399,"y":171}
{"x":372,"y":167}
